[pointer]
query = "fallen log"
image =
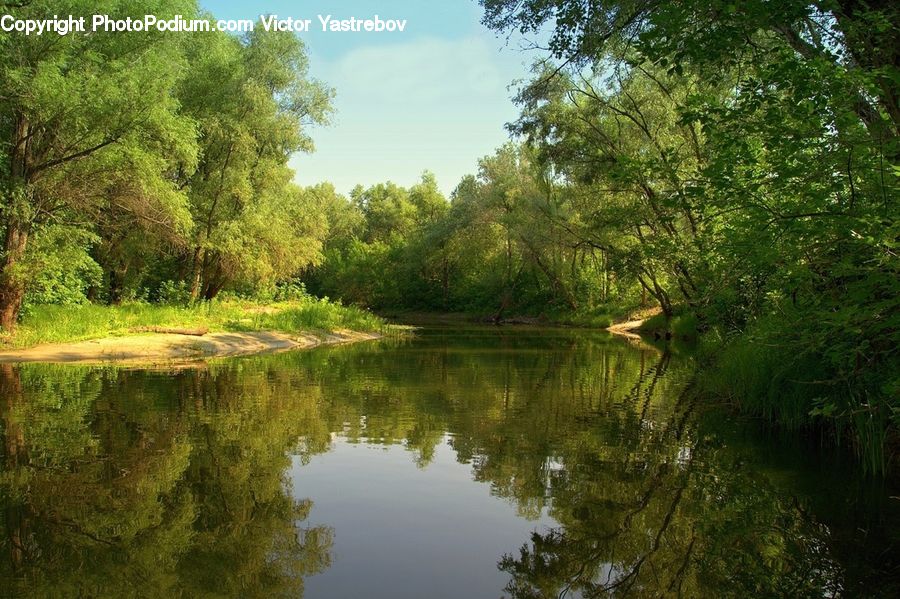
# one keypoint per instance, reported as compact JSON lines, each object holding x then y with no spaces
{"x":198,"y":332}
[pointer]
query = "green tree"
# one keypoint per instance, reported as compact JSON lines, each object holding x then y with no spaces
{"x":86,"y":121}
{"x":763,"y":141}
{"x":381,"y":250}
{"x":252,"y":99}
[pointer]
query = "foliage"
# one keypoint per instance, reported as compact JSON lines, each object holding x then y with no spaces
{"x":501,"y":246}
{"x":87,"y":123}
{"x":738,"y":161}
{"x":60,"y":267}
{"x":163,"y":155}
{"x":733,"y":163}
{"x":250,"y":98}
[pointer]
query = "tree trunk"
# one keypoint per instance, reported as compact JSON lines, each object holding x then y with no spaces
{"x":656,"y":290}
{"x":116,"y":281}
{"x":12,"y":288}
{"x":214,"y":279}
{"x":875,"y":49}
{"x":212,"y":288}
{"x":15,"y":457}
{"x":196,"y":272}
{"x":556,"y":283}
{"x":445,"y":282}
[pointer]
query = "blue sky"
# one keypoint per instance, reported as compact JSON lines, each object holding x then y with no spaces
{"x":432,"y":97}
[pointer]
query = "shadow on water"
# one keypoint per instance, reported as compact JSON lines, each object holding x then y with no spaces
{"x":120,"y":482}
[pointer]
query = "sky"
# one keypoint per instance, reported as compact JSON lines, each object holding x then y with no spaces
{"x":435,"y":96}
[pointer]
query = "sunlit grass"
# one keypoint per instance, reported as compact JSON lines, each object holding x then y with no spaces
{"x":657,"y":322}
{"x":592,"y":321}
{"x":55,"y":324}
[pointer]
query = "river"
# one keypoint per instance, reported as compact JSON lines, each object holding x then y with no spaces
{"x":461,"y":462}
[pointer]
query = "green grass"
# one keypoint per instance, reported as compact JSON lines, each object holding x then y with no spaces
{"x":767,"y":373}
{"x":657,"y":322}
{"x":596,"y":318}
{"x":589,"y":319}
{"x":681,"y":326}
{"x":592,"y":321}
{"x":59,"y":324}
{"x":684,"y":326}
{"x":760,"y":380}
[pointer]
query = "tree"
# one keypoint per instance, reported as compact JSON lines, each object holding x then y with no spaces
{"x":766,"y":138}
{"x":381,"y":248}
{"x":252,"y":99}
{"x":86,"y":121}
{"x":629,"y":162}
{"x":855,"y":35}
{"x":513,"y":221}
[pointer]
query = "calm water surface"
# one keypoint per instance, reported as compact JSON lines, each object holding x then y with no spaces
{"x":461,"y":463}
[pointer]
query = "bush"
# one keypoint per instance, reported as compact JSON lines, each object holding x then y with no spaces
{"x":290,"y":291}
{"x":174,"y":293}
{"x":657,"y":322}
{"x":684,"y":326}
{"x":776,"y":371}
{"x":58,"y":268}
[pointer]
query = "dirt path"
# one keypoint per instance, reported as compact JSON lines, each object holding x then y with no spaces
{"x":169,"y":347}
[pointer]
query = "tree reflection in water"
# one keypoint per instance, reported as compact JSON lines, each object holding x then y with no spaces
{"x":675,"y":515}
{"x":177,"y":479}
{"x":118,"y":482}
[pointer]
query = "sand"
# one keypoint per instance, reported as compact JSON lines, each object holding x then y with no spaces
{"x":626,"y":329}
{"x":170,"y":347}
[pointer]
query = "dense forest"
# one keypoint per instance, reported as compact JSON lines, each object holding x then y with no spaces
{"x":734,"y":164}
{"x":152,"y":165}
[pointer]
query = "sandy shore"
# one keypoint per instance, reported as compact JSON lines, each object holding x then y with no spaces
{"x":170,"y":347}
{"x":626,"y":329}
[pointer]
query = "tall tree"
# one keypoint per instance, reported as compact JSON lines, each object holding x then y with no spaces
{"x":252,"y":99}
{"x":86,"y":121}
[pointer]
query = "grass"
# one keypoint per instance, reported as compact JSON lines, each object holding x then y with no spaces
{"x":767,"y":373}
{"x":657,"y":322}
{"x":684,"y":326}
{"x":599,"y":317}
{"x":60,"y":324}
{"x":592,"y":321}
{"x":681,"y":326}
{"x":760,"y":380}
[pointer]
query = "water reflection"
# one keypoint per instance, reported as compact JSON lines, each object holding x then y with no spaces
{"x":124,"y":483}
{"x":179,"y":481}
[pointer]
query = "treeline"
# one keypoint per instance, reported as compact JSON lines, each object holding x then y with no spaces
{"x":151,"y":165}
{"x":498,"y":248}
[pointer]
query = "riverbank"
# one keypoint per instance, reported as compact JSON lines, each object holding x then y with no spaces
{"x":174,"y":347}
{"x":631,"y":325}
{"x":145,"y":332}
{"x":583,"y":321}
